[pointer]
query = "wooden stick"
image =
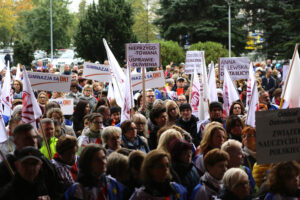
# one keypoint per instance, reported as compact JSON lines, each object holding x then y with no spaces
{"x":11,"y":171}
{"x":191,"y":88}
{"x":131,"y":95}
{"x":144,"y":89}
{"x":288,"y":76}
{"x":46,"y":142}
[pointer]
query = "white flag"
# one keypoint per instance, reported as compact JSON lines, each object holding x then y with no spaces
{"x":292,"y":92}
{"x":204,"y":94}
{"x":253,"y":106}
{"x":128,"y":98}
{"x":31,"y":109}
{"x":118,"y":76}
{"x":2,"y":65}
{"x":250,"y":83}
{"x":6,"y":93}
{"x":110,"y":94}
{"x":195,"y":96}
{"x":3,"y":133}
{"x":230,"y":93}
{"x":212,"y":83}
{"x":18,"y":73}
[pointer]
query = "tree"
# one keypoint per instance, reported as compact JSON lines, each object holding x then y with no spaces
{"x":143,"y":26}
{"x":37,"y":25}
{"x":170,"y":51}
{"x":7,"y":21}
{"x":109,"y":19}
{"x":23,"y":52}
{"x":191,"y":21}
{"x":213,"y":50}
{"x":279,"y":23}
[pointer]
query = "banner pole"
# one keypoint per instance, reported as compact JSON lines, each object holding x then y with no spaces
{"x":131,"y":95}
{"x":288,"y":76}
{"x":191,"y":88}
{"x":7,"y":164}
{"x":46,"y":142}
{"x":144,"y":89}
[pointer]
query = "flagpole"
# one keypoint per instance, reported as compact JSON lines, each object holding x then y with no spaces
{"x":288,"y":76}
{"x":8,"y":142}
{"x":7,"y":164}
{"x":191,"y":88}
{"x":131,"y":106}
{"x":46,"y":142}
{"x":144,"y":89}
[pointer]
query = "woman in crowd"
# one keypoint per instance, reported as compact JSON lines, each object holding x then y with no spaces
{"x":249,"y":149}
{"x":214,"y":136}
{"x":18,"y":86}
{"x":81,"y":109}
{"x":237,"y":108}
{"x":42,"y":100}
{"x":57,"y":95}
{"x":156,"y":178}
{"x":283,"y":181}
{"x":130,"y":138}
{"x":88,"y":96}
{"x":111,"y":137}
{"x":92,"y":183}
{"x":172,"y":111}
{"x":234,"y":127}
{"x":210,"y":185}
{"x":183,"y":170}
{"x":164,"y":142}
{"x":141,"y":124}
{"x":236,"y":185}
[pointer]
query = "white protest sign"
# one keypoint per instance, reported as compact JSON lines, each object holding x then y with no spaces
{"x":66,"y":105}
{"x":143,"y":54}
{"x":96,"y":72}
{"x":238,"y":67}
{"x":277,"y":135}
{"x":153,"y":79}
{"x":49,"y":82}
{"x":194,"y":59}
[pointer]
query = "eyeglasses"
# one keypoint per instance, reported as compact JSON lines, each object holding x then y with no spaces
{"x":97,"y":123}
{"x":42,"y":97}
{"x":88,"y":90}
{"x":150,"y":96}
{"x":115,"y":138}
{"x":237,"y":108}
{"x":249,"y":136}
{"x":181,"y":100}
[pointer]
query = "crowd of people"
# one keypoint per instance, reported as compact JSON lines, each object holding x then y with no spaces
{"x":163,"y":152}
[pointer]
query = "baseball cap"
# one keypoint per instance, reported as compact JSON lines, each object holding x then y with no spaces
{"x":29,"y":152}
{"x":180,"y":79}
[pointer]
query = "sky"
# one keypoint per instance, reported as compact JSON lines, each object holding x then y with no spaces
{"x":73,"y":7}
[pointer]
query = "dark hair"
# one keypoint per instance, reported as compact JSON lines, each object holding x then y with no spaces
{"x":126,"y":125}
{"x":177,"y":147}
{"x":135,"y":159}
{"x":102,"y":102}
{"x":101,"y":109}
{"x":66,"y":142}
{"x":185,"y":106}
{"x":214,"y":156}
{"x":22,"y":128}
{"x":79,"y":114}
{"x":94,"y":115}
{"x":234,"y":103}
{"x":114,"y":109}
{"x":215,"y":104}
{"x":50,"y":105}
{"x":156,"y":112}
{"x":86,"y":156}
{"x":231,"y":122}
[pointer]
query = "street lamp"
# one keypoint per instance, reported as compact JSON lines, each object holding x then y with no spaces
{"x":51,"y":31}
{"x":229,"y":26}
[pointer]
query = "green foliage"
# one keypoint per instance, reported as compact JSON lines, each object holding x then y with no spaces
{"x":170,"y":51}
{"x":109,"y":19}
{"x":213,"y":51}
{"x":205,"y":20}
{"x":23,"y":52}
{"x":36,"y":26}
{"x":279,"y":23}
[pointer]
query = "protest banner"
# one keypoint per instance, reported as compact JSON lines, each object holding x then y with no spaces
{"x":153,"y":79}
{"x":49,"y":82}
{"x":277,"y":135}
{"x":238,"y":67}
{"x":194,"y":60}
{"x":143,"y":54}
{"x":66,"y":105}
{"x":96,"y":72}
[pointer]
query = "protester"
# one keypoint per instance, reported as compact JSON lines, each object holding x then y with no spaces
{"x":81,"y":109}
{"x":156,"y":179}
{"x":130,"y":138}
{"x":141,"y":124}
{"x":74,"y":93}
{"x":47,"y":132}
{"x":150,"y":98}
{"x":249,"y":149}
{"x":18,"y":88}
{"x":264,"y":98}
{"x":115,"y":115}
{"x":111,"y":138}
{"x":88,"y":96}
{"x":210,"y":186}
{"x":234,"y":127}
{"x":105,"y":112}
{"x":237,"y":108}
{"x":173,"y":112}
{"x":268,"y":82}
{"x":166,"y":138}
{"x":181,"y":99}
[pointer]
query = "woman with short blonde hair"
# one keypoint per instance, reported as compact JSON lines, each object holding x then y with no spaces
{"x":166,"y":138}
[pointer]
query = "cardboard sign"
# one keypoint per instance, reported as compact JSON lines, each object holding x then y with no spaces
{"x":143,"y":54}
{"x":238,"y":67}
{"x":96,"y":72}
{"x":153,"y":79}
{"x":194,"y":59}
{"x":277,"y":135}
{"x":49,"y":82}
{"x":66,"y":105}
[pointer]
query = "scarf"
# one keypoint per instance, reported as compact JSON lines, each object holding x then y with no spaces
{"x":249,"y":152}
{"x":211,"y":182}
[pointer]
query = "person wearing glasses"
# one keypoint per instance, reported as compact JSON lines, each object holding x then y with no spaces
{"x":88,"y":95}
{"x":237,"y":108}
{"x":150,"y":98}
{"x":93,"y":133}
{"x":181,"y":99}
{"x":130,"y":138}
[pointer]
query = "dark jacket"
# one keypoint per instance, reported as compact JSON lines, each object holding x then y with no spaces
{"x":137,"y":144}
{"x":19,"y":188}
{"x":269,"y":86}
{"x":185,"y":174}
{"x":191,"y":127}
{"x":47,"y":173}
{"x":152,"y":140}
{"x":228,"y":195}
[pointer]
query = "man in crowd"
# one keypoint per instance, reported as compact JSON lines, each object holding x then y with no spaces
{"x":67,"y":70}
{"x":105,"y":112}
{"x":181,"y":99}
{"x":48,"y":129}
{"x":150,"y":98}
{"x":268,"y":82}
{"x":264,"y":98}
{"x":115,"y":115}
